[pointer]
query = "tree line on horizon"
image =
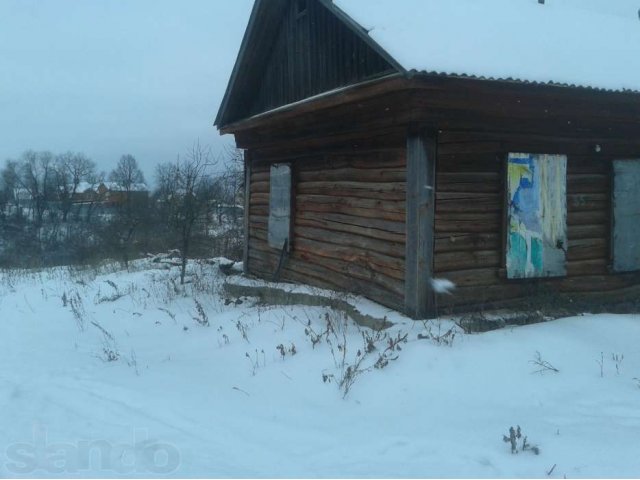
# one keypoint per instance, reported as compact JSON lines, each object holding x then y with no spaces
{"x":59,"y":209}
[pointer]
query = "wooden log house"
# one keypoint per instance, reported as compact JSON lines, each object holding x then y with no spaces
{"x":383,"y":150}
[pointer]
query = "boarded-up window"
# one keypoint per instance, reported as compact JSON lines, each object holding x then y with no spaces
{"x":626,"y":215}
{"x":537,"y":215}
{"x":279,"y":205}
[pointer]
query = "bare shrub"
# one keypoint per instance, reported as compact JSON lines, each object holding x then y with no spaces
{"x":201,"y":316}
{"x":515,"y":434}
{"x":543,"y":365}
{"x":437,"y":334}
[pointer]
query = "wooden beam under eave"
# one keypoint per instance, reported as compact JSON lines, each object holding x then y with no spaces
{"x":421,"y":176}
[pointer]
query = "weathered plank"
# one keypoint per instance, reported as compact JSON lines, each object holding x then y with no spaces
{"x":626,"y":215}
{"x":420,"y":186}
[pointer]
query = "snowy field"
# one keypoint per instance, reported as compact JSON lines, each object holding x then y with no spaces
{"x":117,"y":373}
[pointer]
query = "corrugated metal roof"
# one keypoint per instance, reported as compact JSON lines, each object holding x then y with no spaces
{"x":572,"y":43}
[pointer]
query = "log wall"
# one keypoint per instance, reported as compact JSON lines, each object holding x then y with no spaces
{"x":348,"y":153}
{"x":349,"y":220}
{"x":470,"y":204}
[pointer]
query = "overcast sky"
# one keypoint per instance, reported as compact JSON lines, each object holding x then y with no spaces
{"x":108,"y":77}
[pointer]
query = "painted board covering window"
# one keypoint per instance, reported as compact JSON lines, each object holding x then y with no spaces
{"x":626,"y":215}
{"x":536,"y":216}
{"x":279,"y":205}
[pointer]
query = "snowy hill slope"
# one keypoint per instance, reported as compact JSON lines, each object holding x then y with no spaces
{"x":116,"y":373}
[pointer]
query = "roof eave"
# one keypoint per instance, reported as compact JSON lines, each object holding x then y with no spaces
{"x":351,"y":92}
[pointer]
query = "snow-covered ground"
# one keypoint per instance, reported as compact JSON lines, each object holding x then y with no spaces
{"x":232,"y":399}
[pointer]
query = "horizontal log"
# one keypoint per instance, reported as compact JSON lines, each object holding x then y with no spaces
{"x":260,"y":176}
{"x":474,"y":187}
{"x":392,"y":249}
{"x":589,"y":217}
{"x":474,"y":161}
{"x":587,"y":183}
{"x":332,"y":265}
{"x":354,"y":148}
{"x":313,"y":274}
{"x":351,"y":220}
{"x":259,"y":210}
{"x":259,"y":199}
{"x":445,"y":262}
{"x":354,"y":202}
{"x":259,"y":187}
{"x":477,"y":146}
{"x":258,"y":220}
{"x":362,"y":159}
{"x":476,"y":106}
{"x":382,"y":191}
{"x":367,"y":276}
{"x":597,"y":283}
{"x":588,"y":267}
{"x":572,"y":146}
{"x":373,"y":261}
{"x":470,"y":162}
{"x":258,"y":232}
{"x":259,"y":167}
{"x":474,"y":277}
{"x":485,"y":297}
{"x":576,"y":232}
{"x":588,"y":249}
{"x":363,"y":213}
{"x":588,"y":202}
{"x":600,"y":299}
{"x":353,"y":175}
{"x":468,"y":223}
{"x":591,"y":164}
{"x":344,"y":205}
{"x":330,"y":227}
{"x":525,"y":295}
{"x":457,"y":242}
{"x":393,"y":267}
{"x":459,"y":202}
{"x":443,"y":178}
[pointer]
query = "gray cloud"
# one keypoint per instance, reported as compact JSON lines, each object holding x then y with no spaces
{"x":108,"y":77}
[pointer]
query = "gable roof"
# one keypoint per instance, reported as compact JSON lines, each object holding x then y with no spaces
{"x":590,"y":43}
{"x":295,"y":49}
{"x":262,"y":24}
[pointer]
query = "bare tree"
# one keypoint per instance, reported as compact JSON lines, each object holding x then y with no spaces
{"x":127,"y":178}
{"x":94,"y":179}
{"x":71,"y":169}
{"x":127,"y":173}
{"x":186,"y":189}
{"x":36,"y":177}
{"x":10,"y":183}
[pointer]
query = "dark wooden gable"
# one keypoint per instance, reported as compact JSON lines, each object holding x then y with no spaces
{"x":295,"y":49}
